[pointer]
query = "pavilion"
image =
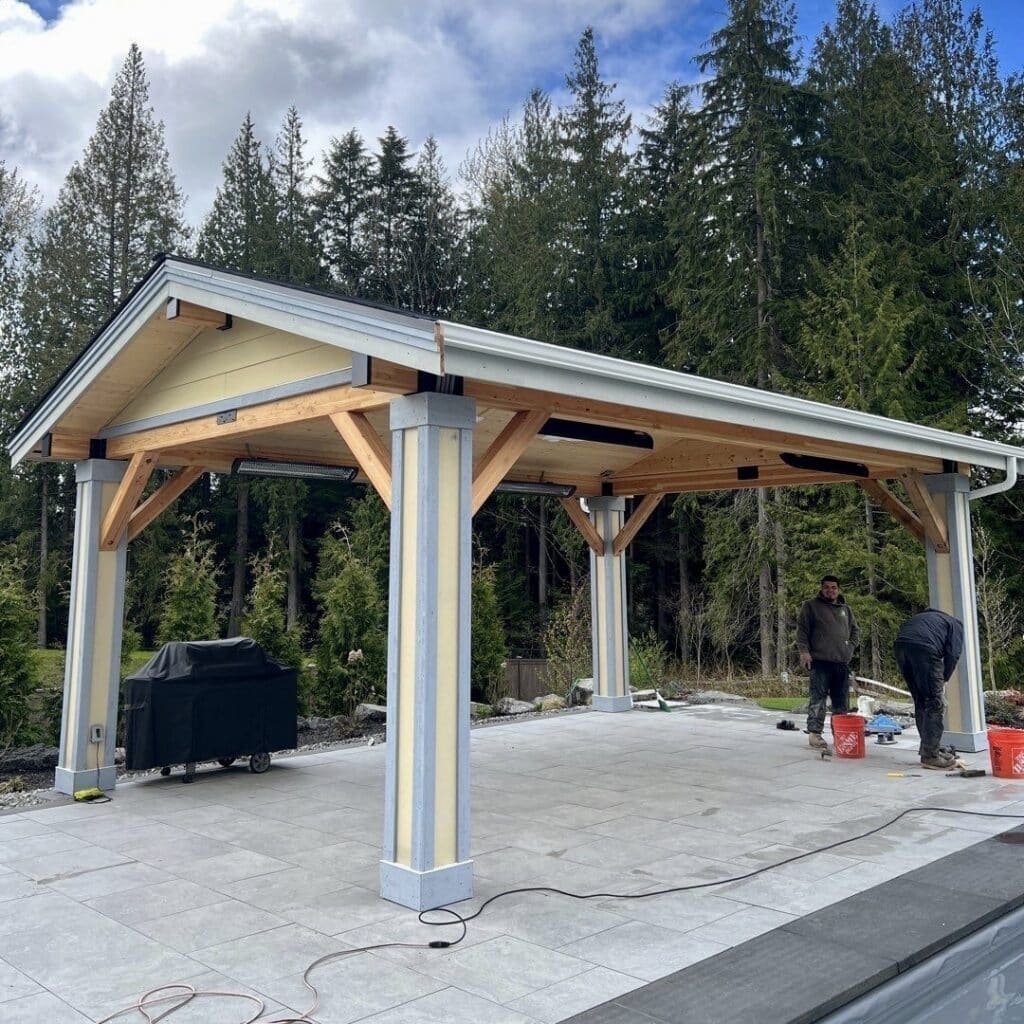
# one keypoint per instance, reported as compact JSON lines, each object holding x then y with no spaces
{"x":208,"y":370}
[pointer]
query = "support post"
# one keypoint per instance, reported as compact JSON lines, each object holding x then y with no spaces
{"x":426,"y":803}
{"x":608,"y":609}
{"x":92,"y":667}
{"x":951,"y":589}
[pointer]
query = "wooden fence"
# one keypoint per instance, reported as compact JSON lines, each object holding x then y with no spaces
{"x":525,"y":677}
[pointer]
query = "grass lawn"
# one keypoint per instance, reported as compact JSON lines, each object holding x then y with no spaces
{"x":781,"y":703}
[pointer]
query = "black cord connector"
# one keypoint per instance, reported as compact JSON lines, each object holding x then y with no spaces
{"x":439,"y":944}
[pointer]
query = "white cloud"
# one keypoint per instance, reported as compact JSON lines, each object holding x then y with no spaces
{"x":447,"y":67}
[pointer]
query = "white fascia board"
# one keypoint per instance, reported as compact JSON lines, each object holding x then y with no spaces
{"x":505,"y":359}
{"x":406,"y":340}
{"x":147,"y":301}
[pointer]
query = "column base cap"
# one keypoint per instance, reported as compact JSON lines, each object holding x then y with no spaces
{"x":424,"y":890}
{"x":969,"y":742}
{"x":623,"y":703}
{"x":69,"y":781}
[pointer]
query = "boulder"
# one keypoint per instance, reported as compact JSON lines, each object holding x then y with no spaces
{"x":371,"y":713}
{"x":582,"y":692}
{"x":511,"y":706}
{"x":36,"y":758}
{"x":549,"y":702}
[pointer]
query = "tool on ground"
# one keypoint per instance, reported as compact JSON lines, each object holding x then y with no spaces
{"x":826,"y":752}
{"x":663,"y":704}
{"x":967,"y":773}
{"x":786,"y":725}
{"x":885,"y":727}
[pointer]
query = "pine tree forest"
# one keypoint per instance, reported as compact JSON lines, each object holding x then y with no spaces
{"x":843,"y":223}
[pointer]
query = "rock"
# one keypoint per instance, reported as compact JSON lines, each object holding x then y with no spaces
{"x":511,"y":706}
{"x":582,"y":692}
{"x":118,"y":755}
{"x":371,"y":713}
{"x":37,"y":758}
{"x":549,"y":702}
{"x":720,"y":697}
{"x":478,"y":710}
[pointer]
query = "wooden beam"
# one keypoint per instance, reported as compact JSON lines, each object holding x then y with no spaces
{"x":583,"y":524}
{"x":882,"y":496}
{"x":928,"y":512}
{"x":279,"y":413}
{"x":133,"y":483}
{"x":504,"y":452}
{"x":196,"y":316}
{"x":162,"y":498}
{"x":369,"y":450}
{"x":640,"y":516}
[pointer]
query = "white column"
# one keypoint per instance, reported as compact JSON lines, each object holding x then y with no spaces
{"x":92,"y":665}
{"x":951,"y":589}
{"x":426,"y":828}
{"x":608,"y":609}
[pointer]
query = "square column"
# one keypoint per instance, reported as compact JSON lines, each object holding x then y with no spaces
{"x":608,"y":610}
{"x":92,"y":662}
{"x":426,"y":802}
{"x":951,"y":589}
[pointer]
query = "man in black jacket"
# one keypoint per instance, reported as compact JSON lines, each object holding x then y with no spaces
{"x":826,"y":636}
{"x":928,"y":647}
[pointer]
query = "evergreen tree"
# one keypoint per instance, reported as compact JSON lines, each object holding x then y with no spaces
{"x":595,"y":129}
{"x":342,"y":204}
{"x":391,"y":202}
{"x":434,"y":257}
{"x":240,"y":231}
{"x":298,"y":256}
{"x":489,"y":649}
{"x":18,"y":671}
{"x":264,"y":619}
{"x":190,"y":601}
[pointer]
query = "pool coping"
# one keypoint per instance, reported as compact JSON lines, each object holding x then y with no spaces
{"x":809,"y":968}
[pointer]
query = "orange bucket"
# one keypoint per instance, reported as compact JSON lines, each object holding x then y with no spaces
{"x":1006,"y":749}
{"x":848,"y":734}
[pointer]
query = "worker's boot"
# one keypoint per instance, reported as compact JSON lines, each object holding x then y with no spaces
{"x":940,"y":761}
{"x":816,"y":742}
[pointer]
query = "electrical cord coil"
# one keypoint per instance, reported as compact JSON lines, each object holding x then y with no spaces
{"x":181,"y":994}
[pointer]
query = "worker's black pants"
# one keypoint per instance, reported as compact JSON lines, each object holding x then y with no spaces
{"x":923,"y":672}
{"x":830,"y":680}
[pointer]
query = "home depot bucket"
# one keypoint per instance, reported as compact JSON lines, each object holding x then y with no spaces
{"x":1006,"y":749}
{"x":848,"y":735}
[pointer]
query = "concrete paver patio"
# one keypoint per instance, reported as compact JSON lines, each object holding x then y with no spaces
{"x":240,"y":881}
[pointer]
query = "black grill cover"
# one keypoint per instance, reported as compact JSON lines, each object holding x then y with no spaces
{"x":202,"y":700}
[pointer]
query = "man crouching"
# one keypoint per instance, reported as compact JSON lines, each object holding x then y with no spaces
{"x":826,"y":636}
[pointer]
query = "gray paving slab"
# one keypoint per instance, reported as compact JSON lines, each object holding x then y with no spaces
{"x":450,"y":1006}
{"x":992,"y":869}
{"x":565,"y":998}
{"x":14,"y":985}
{"x":210,"y":925}
{"x":153,"y":901}
{"x":39,"y":1008}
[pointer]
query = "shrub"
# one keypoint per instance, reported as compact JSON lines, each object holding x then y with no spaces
{"x":1005,"y":707}
{"x":19,"y":673}
{"x":190,"y":601}
{"x":350,"y":650}
{"x":648,"y":661}
{"x":265,"y":619}
{"x":567,"y":642}
{"x":489,"y":647}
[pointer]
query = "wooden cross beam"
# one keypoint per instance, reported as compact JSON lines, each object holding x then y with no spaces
{"x":504,"y":452}
{"x":133,"y":483}
{"x":882,"y":496}
{"x":640,"y":516}
{"x":196,"y":316}
{"x":162,"y":498}
{"x":369,"y":450}
{"x":583,"y":524}
{"x":928,"y":512}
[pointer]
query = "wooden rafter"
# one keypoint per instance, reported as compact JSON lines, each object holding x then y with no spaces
{"x":882,"y":496}
{"x":133,"y":483}
{"x":196,"y":316}
{"x":927,"y":511}
{"x":724,"y":480}
{"x":162,"y":498}
{"x":583,"y":524}
{"x":280,"y":413}
{"x":504,"y":452}
{"x":369,"y":450}
{"x":632,"y":527}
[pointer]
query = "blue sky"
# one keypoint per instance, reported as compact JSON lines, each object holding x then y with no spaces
{"x":451,"y":68}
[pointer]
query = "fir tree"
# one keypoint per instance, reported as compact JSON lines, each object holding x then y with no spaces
{"x":342,"y":204}
{"x":190,"y":602}
{"x":264,"y":619}
{"x":390,"y":205}
{"x":489,"y":649}
{"x":298,"y":257}
{"x":240,"y":230}
{"x":18,"y":671}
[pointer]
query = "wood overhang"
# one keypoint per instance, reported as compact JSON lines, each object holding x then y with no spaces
{"x":348,"y":424}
